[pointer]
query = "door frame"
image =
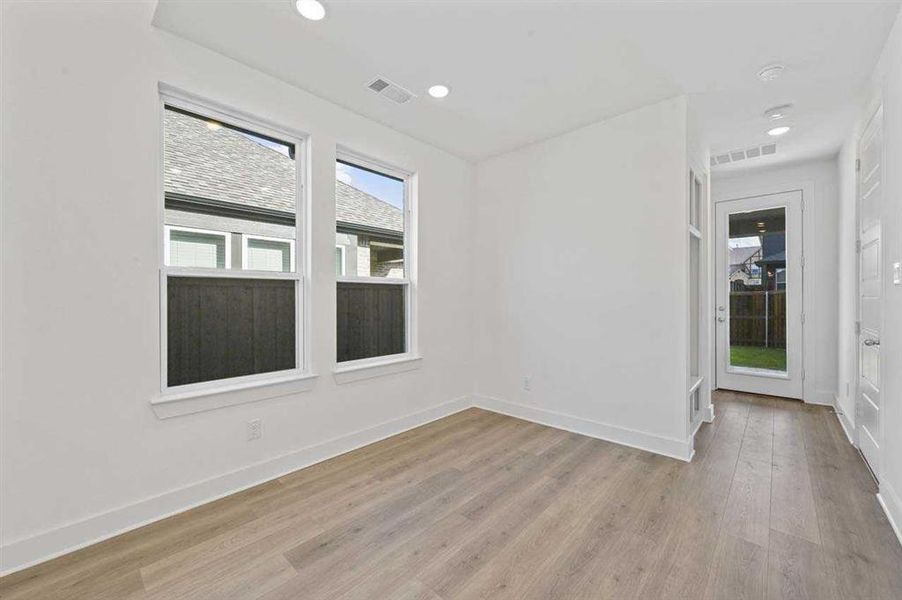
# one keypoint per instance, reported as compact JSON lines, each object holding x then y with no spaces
{"x":791,"y":382}
{"x":856,"y":354}
{"x":781,"y":185}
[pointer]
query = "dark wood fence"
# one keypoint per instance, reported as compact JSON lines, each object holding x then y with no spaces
{"x":370,"y":320}
{"x":758,"y":319}
{"x":226,"y":327}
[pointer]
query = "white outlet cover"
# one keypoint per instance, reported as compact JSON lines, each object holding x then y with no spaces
{"x":897,"y":273}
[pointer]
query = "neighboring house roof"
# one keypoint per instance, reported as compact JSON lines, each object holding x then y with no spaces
{"x":773,"y":247}
{"x":778,"y":258}
{"x":228,"y":166}
{"x":356,"y":207}
{"x":738,"y":256}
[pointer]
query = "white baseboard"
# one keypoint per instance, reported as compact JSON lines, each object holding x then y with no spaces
{"x":821,"y":397}
{"x":696,"y":427}
{"x":674,"y":448}
{"x":892,"y":506}
{"x":847,"y":426}
{"x":22,"y":553}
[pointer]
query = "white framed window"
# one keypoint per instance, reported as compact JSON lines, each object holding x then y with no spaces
{"x":229,"y":327}
{"x":376,"y":307}
{"x":200,"y":248}
{"x":263,"y":253}
{"x":341,"y":254}
{"x":696,"y":301}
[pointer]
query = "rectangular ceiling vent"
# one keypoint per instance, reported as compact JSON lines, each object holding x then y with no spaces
{"x":737,"y":155}
{"x":392,"y":91}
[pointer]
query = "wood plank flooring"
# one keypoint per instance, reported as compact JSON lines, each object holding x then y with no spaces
{"x":776,"y":504}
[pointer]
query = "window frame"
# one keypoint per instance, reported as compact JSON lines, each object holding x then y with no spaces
{"x":344,"y":257}
{"x":698,"y":398}
{"x":346,"y":371}
{"x":208,"y":395}
{"x":246,"y":237}
{"x":223,"y":234}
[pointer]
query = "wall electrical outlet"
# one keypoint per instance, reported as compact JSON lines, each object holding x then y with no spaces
{"x":527,"y":384}
{"x":897,"y":273}
{"x":254,"y":430}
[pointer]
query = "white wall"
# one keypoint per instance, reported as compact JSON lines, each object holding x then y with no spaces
{"x":81,"y":452}
{"x":581,"y":288}
{"x":886,"y":87}
{"x":821,"y":255}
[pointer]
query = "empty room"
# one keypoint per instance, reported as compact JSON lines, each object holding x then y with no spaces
{"x":450,"y":299}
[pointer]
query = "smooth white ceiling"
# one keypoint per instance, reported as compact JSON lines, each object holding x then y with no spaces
{"x":524,"y":71}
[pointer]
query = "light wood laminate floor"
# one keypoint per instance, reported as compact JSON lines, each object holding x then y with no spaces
{"x":776,"y":504}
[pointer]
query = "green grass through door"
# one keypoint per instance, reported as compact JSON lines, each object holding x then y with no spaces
{"x":756,"y":357}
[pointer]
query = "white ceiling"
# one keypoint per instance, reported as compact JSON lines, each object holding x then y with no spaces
{"x":522,"y":71}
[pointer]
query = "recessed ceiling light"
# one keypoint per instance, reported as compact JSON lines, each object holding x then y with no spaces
{"x":311,"y":9}
{"x":777,"y":112}
{"x":770,"y":72}
{"x":213,"y":125}
{"x":439,"y":91}
{"x":777,"y":131}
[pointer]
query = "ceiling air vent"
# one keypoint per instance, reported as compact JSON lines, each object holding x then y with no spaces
{"x":392,"y":91}
{"x":737,"y":155}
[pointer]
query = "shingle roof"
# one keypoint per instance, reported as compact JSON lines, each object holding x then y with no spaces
{"x":354,"y":206}
{"x":226,"y":165}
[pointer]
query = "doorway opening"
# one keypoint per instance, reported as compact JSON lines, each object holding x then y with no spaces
{"x":759,"y":294}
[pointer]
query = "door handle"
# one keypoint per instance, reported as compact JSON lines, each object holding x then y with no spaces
{"x":720,"y":319}
{"x":872,"y":342}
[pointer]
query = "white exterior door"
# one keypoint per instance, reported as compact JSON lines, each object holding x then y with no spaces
{"x":870,"y":292}
{"x":758,"y":307}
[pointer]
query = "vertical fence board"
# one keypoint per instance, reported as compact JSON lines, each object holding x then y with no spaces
{"x":220,"y":328}
{"x":370,"y":320}
{"x":754,"y":323}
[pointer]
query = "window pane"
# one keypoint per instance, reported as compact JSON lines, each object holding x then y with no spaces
{"x":757,"y":275}
{"x":694,"y":305}
{"x":268,"y":255}
{"x":371,"y":320}
{"x":230,"y":204}
{"x":232,"y":182}
{"x":369,"y":212}
{"x":194,"y":249}
{"x":369,"y":240}
{"x":695,"y":199}
{"x":339,"y":260}
{"x":226,"y":327}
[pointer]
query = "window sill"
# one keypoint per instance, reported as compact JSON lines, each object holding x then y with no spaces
{"x":368,"y":368}
{"x":175,"y":404}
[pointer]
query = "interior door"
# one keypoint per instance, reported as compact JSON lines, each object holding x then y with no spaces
{"x":758,"y":308}
{"x":870,"y":292}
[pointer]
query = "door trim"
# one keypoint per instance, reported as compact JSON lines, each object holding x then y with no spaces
{"x":791,"y":383}
{"x":808,"y":188}
{"x":867,"y":439}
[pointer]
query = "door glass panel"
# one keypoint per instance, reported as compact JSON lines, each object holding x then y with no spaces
{"x":694,"y":306}
{"x":757,"y":276}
